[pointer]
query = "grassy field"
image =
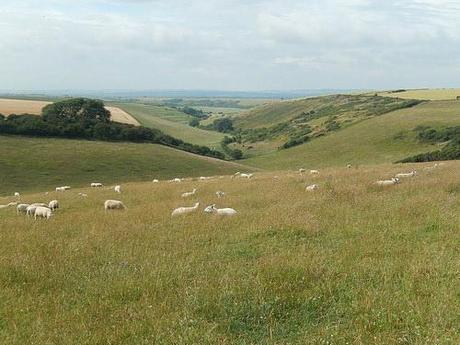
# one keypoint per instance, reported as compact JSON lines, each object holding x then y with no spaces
{"x":172,"y":122}
{"x":429,"y":94}
{"x":20,"y":106}
{"x":383,"y":139}
{"x":348,"y":264}
{"x":37,"y":163}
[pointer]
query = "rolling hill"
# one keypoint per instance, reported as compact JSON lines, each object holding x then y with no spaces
{"x":32,"y":164}
{"x":427,"y":94}
{"x":382,"y":139}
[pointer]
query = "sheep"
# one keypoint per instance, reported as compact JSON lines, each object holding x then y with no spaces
{"x":248,"y":176}
{"x":30,"y":210}
{"x":40,"y":204}
{"x":236,"y":174}
{"x":314,"y":172}
{"x":96,"y":184}
{"x":8,"y":205}
{"x":187,"y":194}
{"x":83,"y":195}
{"x":155,"y":180}
{"x":184,"y":210}
{"x":117,"y":189}
{"x":410,"y":174}
{"x":311,"y":188}
{"x":177,"y":180}
{"x":60,"y":189}
{"x":220,"y":194}
{"x":43,"y":212}
{"x":204,"y":178}
{"x":114,"y":205}
{"x":53,"y":205}
{"x":66,"y":187}
{"x":302,"y":170}
{"x":393,"y":181}
{"x":17,"y":195}
{"x":220,"y":211}
{"x":349,"y":166}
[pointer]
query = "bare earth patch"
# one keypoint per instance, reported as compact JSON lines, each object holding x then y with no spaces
{"x":19,"y":106}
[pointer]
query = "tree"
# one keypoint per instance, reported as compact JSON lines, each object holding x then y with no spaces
{"x":194,"y":122}
{"x":76,"y":110}
{"x":224,"y":125}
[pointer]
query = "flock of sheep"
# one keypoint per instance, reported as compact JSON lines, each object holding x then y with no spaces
{"x":43,"y":210}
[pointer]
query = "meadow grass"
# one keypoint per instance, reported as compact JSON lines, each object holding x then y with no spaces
{"x":31,"y":164}
{"x":172,"y":122}
{"x":382,"y":139}
{"x":348,"y":264}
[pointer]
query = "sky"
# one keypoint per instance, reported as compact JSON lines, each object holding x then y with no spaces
{"x":229,"y":44}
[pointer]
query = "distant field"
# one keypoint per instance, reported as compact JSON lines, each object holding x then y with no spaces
{"x":370,"y":142}
{"x":172,"y":122}
{"x":347,"y":264}
{"x":429,"y":94}
{"x":32,"y":164}
{"x":19,"y":106}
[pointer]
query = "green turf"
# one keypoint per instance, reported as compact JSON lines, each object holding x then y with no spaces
{"x":32,"y":164}
{"x":172,"y":122}
{"x":368,"y":142}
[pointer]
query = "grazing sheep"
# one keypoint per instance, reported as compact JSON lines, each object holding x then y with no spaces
{"x":60,"y":189}
{"x":184,"y":210}
{"x":117,"y":189}
{"x":302,"y":170}
{"x":66,"y":187}
{"x":349,"y":166}
{"x":393,"y":181}
{"x":314,"y":172}
{"x":114,"y":205}
{"x":177,"y":180}
{"x":96,"y":184}
{"x":8,"y":205}
{"x":30,"y":210}
{"x":204,"y":178}
{"x":43,"y":212}
{"x":311,"y":188}
{"x":83,"y":195}
{"x":220,"y":211}
{"x":155,"y":181}
{"x":16,"y":194}
{"x":244,"y":175}
{"x":41,"y":204}
{"x":410,"y":174}
{"x":236,"y":174}
{"x":53,"y":205}
{"x":220,"y":194}
{"x":187,"y":194}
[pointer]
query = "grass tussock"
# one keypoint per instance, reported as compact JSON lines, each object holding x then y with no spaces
{"x":348,"y":263}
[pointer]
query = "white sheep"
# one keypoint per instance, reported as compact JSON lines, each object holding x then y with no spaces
{"x":114,"y":205}
{"x":60,"y":189}
{"x":220,"y":194}
{"x":96,"y":184}
{"x":204,"y":178}
{"x":41,"y":204}
{"x":311,"y":188}
{"x":248,"y":176}
{"x":220,"y":211}
{"x":177,"y":180}
{"x":302,"y":170}
{"x":83,"y":195}
{"x":314,"y":172}
{"x":236,"y":174}
{"x":17,"y":195}
{"x":30,"y":210}
{"x":155,"y":180}
{"x":53,"y":205}
{"x":393,"y":181}
{"x":66,"y":187}
{"x":349,"y":166}
{"x":410,"y":174}
{"x":43,"y":212}
{"x":187,"y":194}
{"x":117,"y":189}
{"x":184,"y":210}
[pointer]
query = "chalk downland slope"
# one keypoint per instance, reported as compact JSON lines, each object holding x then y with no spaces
{"x":382,"y":139}
{"x":19,"y":106}
{"x":42,"y":164}
{"x":428,"y":94}
{"x":347,"y":263}
{"x":172,"y":122}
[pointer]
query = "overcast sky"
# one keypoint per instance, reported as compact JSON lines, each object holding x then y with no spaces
{"x":229,"y":44}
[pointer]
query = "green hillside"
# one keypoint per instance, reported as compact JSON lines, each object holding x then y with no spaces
{"x":382,"y":139}
{"x":172,"y":122}
{"x":33,"y":164}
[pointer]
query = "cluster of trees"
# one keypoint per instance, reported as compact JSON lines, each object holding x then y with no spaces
{"x":88,"y":119}
{"x":234,"y":153}
{"x":450,"y":151}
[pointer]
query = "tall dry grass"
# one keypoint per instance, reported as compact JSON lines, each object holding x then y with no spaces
{"x":349,"y":263}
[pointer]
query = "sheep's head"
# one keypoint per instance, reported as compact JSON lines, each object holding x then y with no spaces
{"x":210,"y":208}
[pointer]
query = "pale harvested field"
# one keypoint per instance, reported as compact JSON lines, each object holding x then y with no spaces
{"x":19,"y":106}
{"x":428,"y":94}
